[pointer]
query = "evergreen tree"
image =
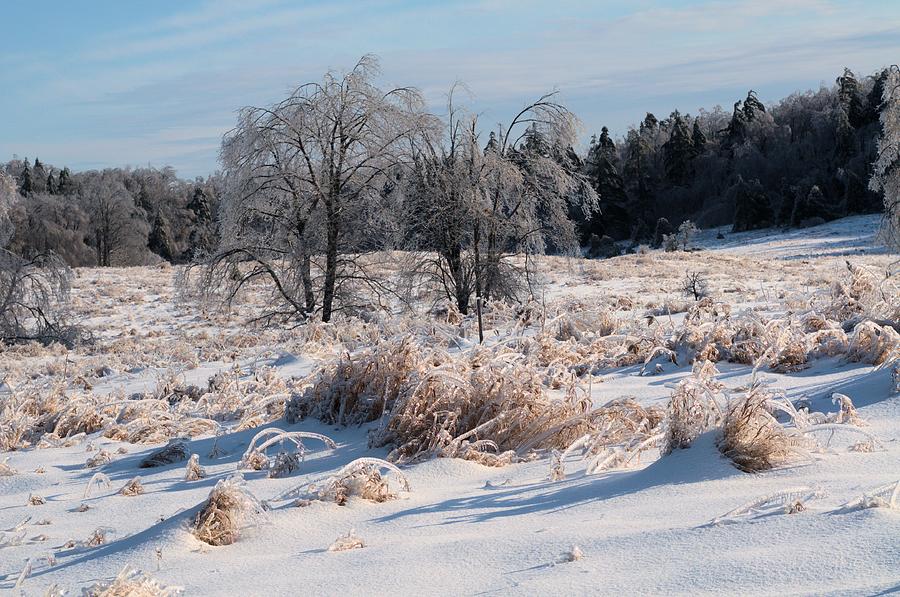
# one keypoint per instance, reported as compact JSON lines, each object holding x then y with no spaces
{"x":26,"y":184}
{"x":493,"y":146}
{"x":752,"y":209}
{"x":698,"y":139}
{"x":678,"y":151}
{"x":52,"y":185}
{"x":160,"y":239}
{"x":663,"y":228}
{"x":752,"y":106}
{"x":38,"y":177}
{"x":65,"y":185}
{"x":874,"y":100}
{"x":613,"y":218}
{"x":810,"y":207}
{"x":199,"y":204}
{"x":850,"y":98}
{"x":736,"y":132}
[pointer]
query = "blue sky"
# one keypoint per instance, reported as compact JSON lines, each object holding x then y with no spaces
{"x":99,"y":83}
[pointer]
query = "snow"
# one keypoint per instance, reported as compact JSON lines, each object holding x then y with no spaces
{"x":467,"y":529}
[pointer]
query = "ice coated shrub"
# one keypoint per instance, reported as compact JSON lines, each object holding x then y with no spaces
{"x":694,"y":408}
{"x":255,"y":458}
{"x":361,"y":477}
{"x":753,"y":439}
{"x":622,"y":430}
{"x":132,"y":488}
{"x":193,"y":470}
{"x":229,"y":508}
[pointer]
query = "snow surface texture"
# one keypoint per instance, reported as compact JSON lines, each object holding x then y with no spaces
{"x":686,"y":523}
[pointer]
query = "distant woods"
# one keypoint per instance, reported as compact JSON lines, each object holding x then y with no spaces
{"x":111,"y":217}
{"x":804,"y":160}
{"x":342,"y":168}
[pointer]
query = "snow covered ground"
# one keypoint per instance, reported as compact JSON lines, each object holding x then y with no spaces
{"x":465,"y":528}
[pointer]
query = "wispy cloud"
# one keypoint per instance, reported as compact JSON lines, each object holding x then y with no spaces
{"x":163,"y":90}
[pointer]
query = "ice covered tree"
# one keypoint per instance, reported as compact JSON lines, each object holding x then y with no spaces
{"x":886,"y":172}
{"x":678,"y":150}
{"x":38,"y":177}
{"x":26,"y":181}
{"x":613,"y":218}
{"x":117,"y":232}
{"x":299,"y":176}
{"x":33,"y":289}
{"x":476,"y":207}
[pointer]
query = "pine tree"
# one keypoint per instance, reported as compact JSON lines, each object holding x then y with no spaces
{"x":65,"y":185}
{"x":736,"y":132}
{"x":38,"y":177}
{"x":698,"y":139}
{"x":26,"y":184}
{"x":493,"y":146}
{"x":752,"y":106}
{"x":811,"y":207}
{"x":613,"y":219}
{"x":678,"y":151}
{"x":663,"y":229}
{"x":752,"y":208}
{"x":52,"y":185}
{"x":850,"y":98}
{"x":199,"y":204}
{"x":160,"y":240}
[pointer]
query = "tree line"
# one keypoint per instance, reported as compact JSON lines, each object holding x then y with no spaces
{"x":115,"y":216}
{"x":312,"y":188}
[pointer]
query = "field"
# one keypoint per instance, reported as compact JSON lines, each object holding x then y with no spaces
{"x":614,"y":436}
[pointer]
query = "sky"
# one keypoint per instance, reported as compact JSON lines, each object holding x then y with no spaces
{"x":103,"y":83}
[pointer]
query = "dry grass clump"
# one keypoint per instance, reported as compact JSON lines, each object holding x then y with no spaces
{"x":460,"y":409}
{"x":886,"y":496}
{"x":228,"y":510}
{"x":102,"y":457}
{"x":255,"y":458}
{"x":5,"y":469}
{"x":753,"y":439}
{"x":869,"y":294}
{"x":131,"y":583}
{"x":361,"y":477}
{"x":96,"y":479}
{"x":874,"y":344}
{"x":347,"y":542}
{"x":694,"y":408}
{"x":622,"y":431}
{"x":193,"y":471}
{"x":175,"y":451}
{"x":132,"y":488}
{"x":359,"y":388}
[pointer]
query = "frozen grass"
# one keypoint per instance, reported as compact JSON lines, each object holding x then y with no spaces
{"x":131,"y":583}
{"x":421,"y":388}
{"x":229,"y":509}
{"x":753,"y":439}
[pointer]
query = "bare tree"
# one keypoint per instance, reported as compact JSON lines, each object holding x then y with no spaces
{"x":32,"y":290}
{"x":299,"y":175}
{"x":119,"y":234}
{"x":474,"y":208}
{"x":886,"y":173}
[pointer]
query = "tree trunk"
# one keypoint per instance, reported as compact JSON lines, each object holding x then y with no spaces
{"x":331,"y":249}
{"x":305,"y":275}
